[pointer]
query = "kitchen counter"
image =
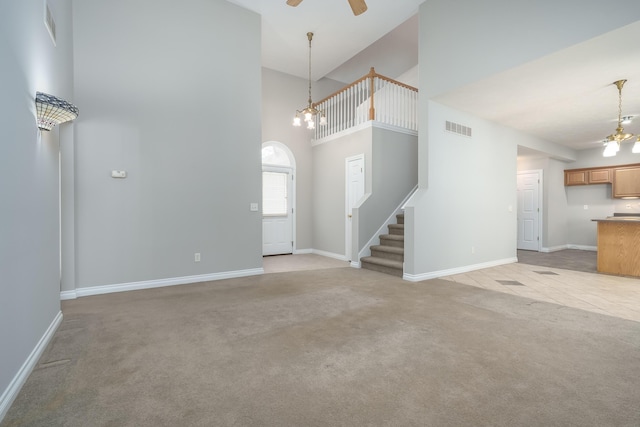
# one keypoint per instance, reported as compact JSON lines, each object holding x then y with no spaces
{"x":619,"y":245}
{"x":619,"y":219}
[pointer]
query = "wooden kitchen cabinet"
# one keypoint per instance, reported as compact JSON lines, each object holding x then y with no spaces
{"x":625,"y":178}
{"x":626,"y":182}
{"x":576,"y":177}
{"x":600,"y":176}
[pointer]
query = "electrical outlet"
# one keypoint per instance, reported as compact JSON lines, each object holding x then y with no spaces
{"x":196,"y":257}
{"x":629,"y":206}
{"x":586,"y":207}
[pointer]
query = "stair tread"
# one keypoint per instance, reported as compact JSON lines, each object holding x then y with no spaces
{"x":396,"y":225}
{"x":392,"y":236}
{"x":384,"y":248}
{"x":382,"y":261}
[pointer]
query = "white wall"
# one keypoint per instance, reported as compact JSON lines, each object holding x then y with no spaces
{"x":29,"y":219}
{"x":170,"y":93}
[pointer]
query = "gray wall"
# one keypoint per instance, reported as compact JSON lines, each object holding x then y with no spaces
{"x":467,"y":214}
{"x":566,"y":222}
{"x":329,"y":187}
{"x":29,"y":219}
{"x":282,"y":95}
{"x":443,"y":226}
{"x":391,"y":171}
{"x":170,"y":93}
{"x":554,"y":232}
{"x":394,"y":175}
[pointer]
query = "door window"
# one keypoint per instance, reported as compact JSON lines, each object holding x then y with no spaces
{"x":274,"y":193}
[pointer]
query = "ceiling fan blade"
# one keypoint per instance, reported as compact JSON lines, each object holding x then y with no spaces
{"x":294,"y":3}
{"x":358,"y":6}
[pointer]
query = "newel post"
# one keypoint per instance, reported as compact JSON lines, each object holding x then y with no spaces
{"x":372,"y":110}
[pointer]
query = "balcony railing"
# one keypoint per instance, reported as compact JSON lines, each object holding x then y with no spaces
{"x":372,"y":97}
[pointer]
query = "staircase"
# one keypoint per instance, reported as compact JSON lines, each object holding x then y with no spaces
{"x":388,"y":256}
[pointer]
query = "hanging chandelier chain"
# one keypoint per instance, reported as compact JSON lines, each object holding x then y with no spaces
{"x":310,"y":36}
{"x":620,"y":83}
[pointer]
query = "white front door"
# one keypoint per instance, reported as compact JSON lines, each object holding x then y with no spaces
{"x":528,"y":211}
{"x":277,"y":222}
{"x":355,"y":191}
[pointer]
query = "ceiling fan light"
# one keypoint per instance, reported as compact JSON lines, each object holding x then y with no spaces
{"x":296,"y":121}
{"x":311,"y":124}
{"x":636,"y":147}
{"x":323,"y":122}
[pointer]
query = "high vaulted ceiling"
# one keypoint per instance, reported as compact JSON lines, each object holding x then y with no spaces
{"x":338,"y":34}
{"x":567,"y":97}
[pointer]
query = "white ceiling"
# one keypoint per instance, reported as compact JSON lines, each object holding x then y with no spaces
{"x":338,"y":34}
{"x":567,"y":97}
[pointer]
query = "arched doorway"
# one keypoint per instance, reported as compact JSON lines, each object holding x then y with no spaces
{"x":278,"y":199}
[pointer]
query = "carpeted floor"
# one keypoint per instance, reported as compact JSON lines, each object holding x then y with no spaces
{"x":336,"y":347}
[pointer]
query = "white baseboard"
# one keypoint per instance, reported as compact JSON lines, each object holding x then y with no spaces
{"x":457,"y":270}
{"x":583,"y":248}
{"x":302,"y":251}
{"x":340,"y":257}
{"x":355,"y":264}
{"x":148,"y":284}
{"x":554,"y":248}
{"x":10,"y":394}
{"x":569,"y":246}
{"x":64,"y":295}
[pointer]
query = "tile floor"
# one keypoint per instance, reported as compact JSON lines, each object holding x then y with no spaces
{"x":599,"y":293}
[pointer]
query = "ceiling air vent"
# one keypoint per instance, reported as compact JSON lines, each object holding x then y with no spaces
{"x":457,"y":128}
{"x":49,"y":22}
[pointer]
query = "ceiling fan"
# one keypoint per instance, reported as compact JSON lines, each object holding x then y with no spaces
{"x":358,"y":6}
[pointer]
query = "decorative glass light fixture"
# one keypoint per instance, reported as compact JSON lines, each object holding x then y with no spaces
{"x":52,"y":111}
{"x":310,"y":113}
{"x":636,"y":146}
{"x":613,"y":141}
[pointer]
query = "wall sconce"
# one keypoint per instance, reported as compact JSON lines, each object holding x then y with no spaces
{"x":52,"y":111}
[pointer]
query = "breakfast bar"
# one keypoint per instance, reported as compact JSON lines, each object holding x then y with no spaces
{"x":619,"y":245}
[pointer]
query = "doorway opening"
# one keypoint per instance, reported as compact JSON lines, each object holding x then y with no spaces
{"x":278,"y":199}
{"x":355,"y":186}
{"x":529,"y":186}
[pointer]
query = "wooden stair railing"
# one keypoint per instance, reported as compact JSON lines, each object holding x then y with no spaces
{"x":371,"y":97}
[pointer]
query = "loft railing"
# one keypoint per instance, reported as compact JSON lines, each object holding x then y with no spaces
{"x":371,"y":97}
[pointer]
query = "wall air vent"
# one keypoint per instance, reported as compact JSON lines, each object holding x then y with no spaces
{"x":49,"y":22}
{"x":457,"y":128}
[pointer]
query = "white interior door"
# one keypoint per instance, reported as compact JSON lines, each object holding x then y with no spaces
{"x":528,"y":211}
{"x":277,"y":218}
{"x":355,"y":191}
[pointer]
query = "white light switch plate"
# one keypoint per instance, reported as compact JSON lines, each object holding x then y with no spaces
{"x":253,"y":207}
{"x":118,"y":174}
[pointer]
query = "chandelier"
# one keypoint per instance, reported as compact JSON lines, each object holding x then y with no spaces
{"x":309,"y":113}
{"x":613,"y":141}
